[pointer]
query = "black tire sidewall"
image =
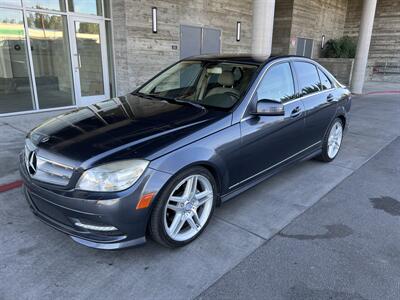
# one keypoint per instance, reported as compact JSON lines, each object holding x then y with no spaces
{"x":157,"y":228}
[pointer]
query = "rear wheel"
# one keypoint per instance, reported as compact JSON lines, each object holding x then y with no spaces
{"x":332,"y":141}
{"x":184,"y":208}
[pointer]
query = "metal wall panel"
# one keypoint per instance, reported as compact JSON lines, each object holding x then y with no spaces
{"x":190,"y":41}
{"x":211,"y":41}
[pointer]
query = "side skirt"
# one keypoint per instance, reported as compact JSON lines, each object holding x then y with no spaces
{"x":269,"y":174}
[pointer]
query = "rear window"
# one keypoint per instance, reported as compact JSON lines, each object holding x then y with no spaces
{"x":326,"y":84}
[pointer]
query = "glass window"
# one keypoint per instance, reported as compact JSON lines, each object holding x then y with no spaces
{"x":210,"y":84}
{"x":277,"y":84}
{"x":326,"y":84}
{"x":181,"y":76}
{"x":88,"y":44}
{"x":46,"y":4}
{"x":11,"y":2}
{"x":91,"y":7}
{"x":15,"y":86}
{"x":51,"y":59}
{"x":307,"y":77}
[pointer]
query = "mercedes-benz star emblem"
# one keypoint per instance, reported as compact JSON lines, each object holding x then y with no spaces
{"x":45,"y":139}
{"x":32,"y":163}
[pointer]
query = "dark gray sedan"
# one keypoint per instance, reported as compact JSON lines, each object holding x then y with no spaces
{"x":156,"y":162}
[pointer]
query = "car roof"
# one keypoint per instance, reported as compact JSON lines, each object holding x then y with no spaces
{"x":241,"y":58}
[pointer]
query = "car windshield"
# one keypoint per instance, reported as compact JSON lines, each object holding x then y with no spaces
{"x":210,"y":84}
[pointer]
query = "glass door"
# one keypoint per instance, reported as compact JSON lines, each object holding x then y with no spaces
{"x":89,"y":60}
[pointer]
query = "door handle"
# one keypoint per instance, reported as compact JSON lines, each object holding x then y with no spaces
{"x":79,"y":61}
{"x":330,"y":98}
{"x":295,"y":112}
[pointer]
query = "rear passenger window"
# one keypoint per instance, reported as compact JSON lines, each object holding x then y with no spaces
{"x":326,"y":84}
{"x":277,"y":84}
{"x":307,"y":77}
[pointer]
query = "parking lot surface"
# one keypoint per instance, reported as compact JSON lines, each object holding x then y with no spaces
{"x":39,"y":262}
{"x":345,"y":247}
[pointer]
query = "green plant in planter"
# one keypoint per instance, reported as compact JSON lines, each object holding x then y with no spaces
{"x":344,"y":47}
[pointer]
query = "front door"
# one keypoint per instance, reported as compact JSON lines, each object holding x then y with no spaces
{"x":269,"y":142}
{"x":89,"y":60}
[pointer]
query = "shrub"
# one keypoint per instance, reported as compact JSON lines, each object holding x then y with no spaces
{"x":344,"y":47}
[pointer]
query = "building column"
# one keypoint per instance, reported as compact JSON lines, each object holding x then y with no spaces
{"x":364,"y":40}
{"x":263,"y":23}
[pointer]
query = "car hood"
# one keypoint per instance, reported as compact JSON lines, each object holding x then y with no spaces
{"x":122,"y":128}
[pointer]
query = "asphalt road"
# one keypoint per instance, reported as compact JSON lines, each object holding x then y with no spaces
{"x":39,"y":262}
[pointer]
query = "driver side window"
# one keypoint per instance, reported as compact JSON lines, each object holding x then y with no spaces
{"x":277,"y":84}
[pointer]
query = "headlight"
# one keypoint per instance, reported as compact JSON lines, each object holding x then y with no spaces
{"x":112,"y":177}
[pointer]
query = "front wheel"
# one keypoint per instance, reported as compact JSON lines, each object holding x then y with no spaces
{"x":332,"y":141}
{"x":184,"y":208}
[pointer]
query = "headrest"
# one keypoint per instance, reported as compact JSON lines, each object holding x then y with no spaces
{"x":226,"y":78}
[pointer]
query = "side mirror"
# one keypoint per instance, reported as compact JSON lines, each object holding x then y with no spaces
{"x":266,"y":107}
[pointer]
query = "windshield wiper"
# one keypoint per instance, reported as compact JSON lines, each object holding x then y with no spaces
{"x":170,"y":100}
{"x":143,"y":95}
{"x":195,"y":104}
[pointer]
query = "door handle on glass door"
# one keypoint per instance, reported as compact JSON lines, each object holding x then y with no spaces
{"x":78,"y":59}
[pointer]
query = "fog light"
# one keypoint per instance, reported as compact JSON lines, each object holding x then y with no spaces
{"x":94,"y":227}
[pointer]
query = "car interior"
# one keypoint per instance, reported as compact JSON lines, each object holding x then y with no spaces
{"x":212,"y":84}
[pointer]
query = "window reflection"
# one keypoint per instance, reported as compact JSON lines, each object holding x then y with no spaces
{"x":307,"y":77}
{"x":11,"y":2}
{"x":92,"y":7}
{"x":51,"y":60}
{"x":15,"y":92}
{"x":325,"y":81}
{"x":277,"y":84}
{"x":89,"y":50}
{"x":46,"y":4}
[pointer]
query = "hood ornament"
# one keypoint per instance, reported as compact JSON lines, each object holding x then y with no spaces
{"x":45,"y":139}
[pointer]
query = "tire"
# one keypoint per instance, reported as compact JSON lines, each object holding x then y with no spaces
{"x":176,"y":225}
{"x":328,"y":154}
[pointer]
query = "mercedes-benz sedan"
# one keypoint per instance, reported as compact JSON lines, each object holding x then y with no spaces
{"x":156,"y":162}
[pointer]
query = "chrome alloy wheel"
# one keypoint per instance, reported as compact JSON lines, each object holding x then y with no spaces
{"x":188,"y":207}
{"x":335,"y":139}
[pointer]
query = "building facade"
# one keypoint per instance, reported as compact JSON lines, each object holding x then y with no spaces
{"x":64,"y":53}
{"x":296,"y":20}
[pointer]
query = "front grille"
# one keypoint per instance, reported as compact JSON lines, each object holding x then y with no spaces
{"x":47,"y":170}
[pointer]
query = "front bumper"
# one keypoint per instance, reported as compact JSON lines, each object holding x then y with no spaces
{"x":62,"y":209}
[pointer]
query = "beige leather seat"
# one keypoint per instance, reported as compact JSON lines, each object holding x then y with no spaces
{"x":227,"y":80}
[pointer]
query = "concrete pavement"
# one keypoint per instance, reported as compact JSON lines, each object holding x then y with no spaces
{"x":344,"y":247}
{"x":36,"y":261}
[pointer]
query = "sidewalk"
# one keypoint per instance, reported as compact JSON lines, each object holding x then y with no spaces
{"x":376,"y":87}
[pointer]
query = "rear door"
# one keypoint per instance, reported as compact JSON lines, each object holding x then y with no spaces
{"x":271,"y":141}
{"x":319,"y":97}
